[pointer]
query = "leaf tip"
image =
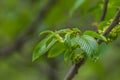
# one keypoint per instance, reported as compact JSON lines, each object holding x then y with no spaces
{"x":34,"y":58}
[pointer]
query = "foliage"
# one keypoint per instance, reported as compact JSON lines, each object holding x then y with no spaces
{"x":17,"y":16}
{"x":113,"y":34}
{"x":72,"y":42}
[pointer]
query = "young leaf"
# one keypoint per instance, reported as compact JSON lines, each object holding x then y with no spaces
{"x":103,"y":24}
{"x":76,"y":30}
{"x":63,"y":31}
{"x":67,"y":40}
{"x":67,"y":55}
{"x":47,"y":31}
{"x":59,"y":38}
{"x":95,"y":35}
{"x":93,"y":44}
{"x":84,"y":45}
{"x":88,"y":44}
{"x":43,"y":47}
{"x":56,"y":50}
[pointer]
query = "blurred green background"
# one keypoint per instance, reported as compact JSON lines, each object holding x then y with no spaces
{"x":21,"y":21}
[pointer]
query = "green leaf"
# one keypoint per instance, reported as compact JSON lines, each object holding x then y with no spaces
{"x":62,"y":31}
{"x":70,"y":43}
{"x":76,"y":30}
{"x":47,"y":31}
{"x":95,"y":35}
{"x":59,"y":38}
{"x":84,"y":45}
{"x":67,"y":55}
{"x":74,"y":42}
{"x":43,"y":46}
{"x":88,"y":44}
{"x":56,"y":50}
{"x":93,"y":44}
{"x":77,"y":4}
{"x":67,"y":40}
{"x":104,"y":24}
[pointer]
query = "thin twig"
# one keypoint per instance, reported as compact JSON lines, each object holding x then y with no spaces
{"x":104,"y":10}
{"x":76,"y":67}
{"x":113,"y":24}
{"x":103,"y":15}
{"x":74,"y":70}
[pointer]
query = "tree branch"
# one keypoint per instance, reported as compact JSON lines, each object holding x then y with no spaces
{"x":115,"y":22}
{"x":76,"y":67}
{"x":104,"y":10}
{"x":103,"y":15}
{"x":21,"y":40}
